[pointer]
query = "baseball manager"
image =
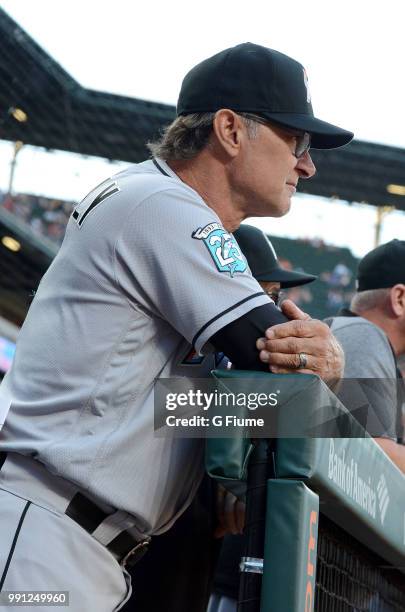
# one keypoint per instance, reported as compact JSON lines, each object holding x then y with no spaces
{"x":150,"y":282}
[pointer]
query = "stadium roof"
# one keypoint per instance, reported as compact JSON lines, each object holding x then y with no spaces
{"x":61,"y":114}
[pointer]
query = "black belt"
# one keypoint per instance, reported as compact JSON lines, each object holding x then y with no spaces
{"x":125,"y":546}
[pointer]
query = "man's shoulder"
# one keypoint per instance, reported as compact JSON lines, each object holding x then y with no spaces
{"x":366,"y":346}
{"x":143,"y":177}
{"x":360,"y":335}
{"x":145,"y":180}
{"x":357,"y":325}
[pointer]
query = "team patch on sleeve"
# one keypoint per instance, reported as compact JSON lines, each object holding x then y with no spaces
{"x":222,"y":247}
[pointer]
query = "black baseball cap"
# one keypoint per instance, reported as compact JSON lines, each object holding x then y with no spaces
{"x":383,"y":267}
{"x":254,"y":79}
{"x":262,"y":259}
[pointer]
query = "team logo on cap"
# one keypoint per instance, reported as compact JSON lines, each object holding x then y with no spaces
{"x":307,"y":85}
{"x":223,"y":248}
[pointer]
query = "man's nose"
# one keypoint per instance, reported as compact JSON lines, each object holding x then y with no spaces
{"x":305,"y":166}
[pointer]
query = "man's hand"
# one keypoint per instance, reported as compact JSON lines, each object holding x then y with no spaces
{"x":283,"y":344}
{"x":230,"y":513}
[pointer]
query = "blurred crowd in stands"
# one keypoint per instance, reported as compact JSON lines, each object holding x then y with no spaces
{"x":334,"y":266}
{"x":47,"y":217}
{"x":339,"y":284}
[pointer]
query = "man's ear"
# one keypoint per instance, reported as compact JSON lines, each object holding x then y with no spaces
{"x":397,"y":295}
{"x":229,"y":131}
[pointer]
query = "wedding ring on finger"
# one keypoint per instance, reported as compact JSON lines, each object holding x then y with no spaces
{"x":303,"y":361}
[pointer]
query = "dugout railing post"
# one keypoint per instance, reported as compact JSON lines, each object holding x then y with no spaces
{"x":251,"y":566}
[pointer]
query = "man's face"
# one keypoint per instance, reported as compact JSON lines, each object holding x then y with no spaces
{"x":272,"y":289}
{"x":268,"y":171}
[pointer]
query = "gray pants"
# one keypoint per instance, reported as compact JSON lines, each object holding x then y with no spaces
{"x":42,"y":549}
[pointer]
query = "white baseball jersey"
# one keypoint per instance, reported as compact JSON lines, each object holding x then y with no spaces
{"x":145,"y":272}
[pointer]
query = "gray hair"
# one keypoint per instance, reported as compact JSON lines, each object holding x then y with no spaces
{"x":187,"y":136}
{"x":367,"y":300}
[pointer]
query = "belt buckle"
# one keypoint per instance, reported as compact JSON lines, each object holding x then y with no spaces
{"x":135,"y":554}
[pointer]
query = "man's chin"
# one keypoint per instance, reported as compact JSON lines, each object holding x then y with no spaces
{"x":284,"y":209}
{"x":269,"y":209}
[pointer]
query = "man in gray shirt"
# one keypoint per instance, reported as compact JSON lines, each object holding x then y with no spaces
{"x":372,"y":334}
{"x":149,"y":282}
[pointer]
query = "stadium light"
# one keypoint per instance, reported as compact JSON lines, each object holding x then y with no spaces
{"x":18,"y":114}
{"x":396,"y":189}
{"x":11,"y":243}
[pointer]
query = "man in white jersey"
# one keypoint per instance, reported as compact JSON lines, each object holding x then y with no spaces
{"x":149,"y":282}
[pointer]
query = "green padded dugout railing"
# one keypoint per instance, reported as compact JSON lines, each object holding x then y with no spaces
{"x":290,"y":547}
{"x":358,"y":487}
